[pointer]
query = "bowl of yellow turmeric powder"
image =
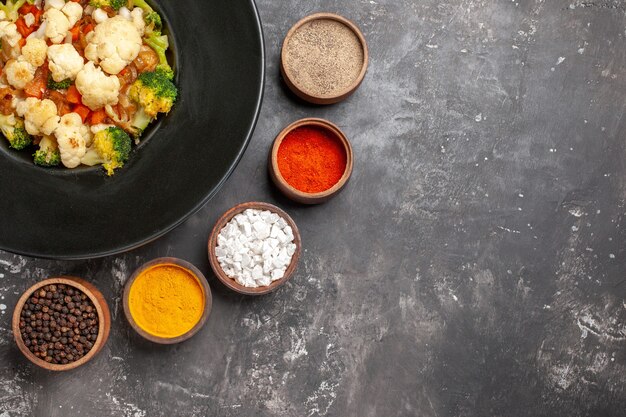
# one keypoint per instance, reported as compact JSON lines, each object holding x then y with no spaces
{"x":167,"y":300}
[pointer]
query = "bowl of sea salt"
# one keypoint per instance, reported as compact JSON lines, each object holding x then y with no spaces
{"x":254,"y":248}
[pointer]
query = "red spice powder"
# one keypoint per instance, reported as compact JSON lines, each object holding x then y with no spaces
{"x":311,"y":159}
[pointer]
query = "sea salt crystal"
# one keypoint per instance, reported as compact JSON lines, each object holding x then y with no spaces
{"x":261,"y":229}
{"x":255,"y":247}
{"x":277,"y":274}
{"x":264,"y":281}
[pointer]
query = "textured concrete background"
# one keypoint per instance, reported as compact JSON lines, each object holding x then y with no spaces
{"x":474,"y":266}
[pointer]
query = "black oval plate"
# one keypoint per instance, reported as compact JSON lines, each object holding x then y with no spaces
{"x":76,"y":214}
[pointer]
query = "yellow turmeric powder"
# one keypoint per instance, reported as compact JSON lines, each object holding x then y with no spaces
{"x":166,"y":300}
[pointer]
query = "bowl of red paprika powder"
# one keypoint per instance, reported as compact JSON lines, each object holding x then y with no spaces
{"x":310,"y":161}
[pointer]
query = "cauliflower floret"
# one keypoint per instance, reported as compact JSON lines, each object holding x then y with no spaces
{"x":113,"y":44}
{"x":57,"y":25}
{"x":19,"y":73}
{"x":8,"y":31}
{"x":99,"y":15}
{"x":34,"y":52}
{"x":71,"y":142}
{"x":10,"y":39}
{"x":73,"y":11}
{"x":39,"y":33}
{"x":64,"y":62}
{"x":15,"y":101}
{"x":85,"y":132}
{"x":137,"y":16}
{"x":102,"y":126}
{"x":40,"y":116}
{"x":3,"y":15}
{"x":55,"y":4}
{"x":97,"y":88}
{"x":124,"y":12}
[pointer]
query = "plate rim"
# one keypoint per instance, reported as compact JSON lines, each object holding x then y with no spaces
{"x":151,"y":238}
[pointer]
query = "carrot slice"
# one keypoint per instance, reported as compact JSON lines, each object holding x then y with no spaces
{"x":23,"y":29}
{"x":98,"y":117}
{"x":25,"y":9}
{"x":75,"y":31}
{"x":72,"y":95}
{"x":34,"y":89}
{"x":83,"y":111}
{"x":88,"y":28}
{"x":37,"y":13}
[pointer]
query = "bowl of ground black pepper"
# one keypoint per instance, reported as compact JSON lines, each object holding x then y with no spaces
{"x":61,"y":323}
{"x":324,"y":58}
{"x":311,"y":161}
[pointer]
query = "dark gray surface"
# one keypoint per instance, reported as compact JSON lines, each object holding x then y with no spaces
{"x":474,"y":266}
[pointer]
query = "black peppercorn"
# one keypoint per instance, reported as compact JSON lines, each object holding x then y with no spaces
{"x":59,"y":324}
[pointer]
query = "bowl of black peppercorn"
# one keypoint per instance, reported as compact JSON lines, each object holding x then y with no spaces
{"x":61,"y":323}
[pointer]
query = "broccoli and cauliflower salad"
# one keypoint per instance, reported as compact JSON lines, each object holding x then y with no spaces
{"x":81,"y":79}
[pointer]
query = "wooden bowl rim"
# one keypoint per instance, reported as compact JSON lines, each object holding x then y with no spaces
{"x":307,"y":95}
{"x":212,"y":244}
{"x":329,"y":127}
{"x":99,"y":302}
{"x":208,"y":300}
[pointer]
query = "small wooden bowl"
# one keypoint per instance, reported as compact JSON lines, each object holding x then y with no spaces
{"x":295,"y":194}
{"x":308,"y":95}
{"x":208,"y":301}
{"x":231,"y":283}
{"x":104,"y":321}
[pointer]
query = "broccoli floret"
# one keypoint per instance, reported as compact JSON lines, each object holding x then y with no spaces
{"x":153,"y":22}
{"x":47,"y":158}
{"x":160,"y":44}
{"x":61,"y":85}
{"x":10,"y":8}
{"x":139,"y":123}
{"x":114,"y":4}
{"x":91,"y":157}
{"x":48,"y":154}
{"x":111,"y":148}
{"x":13,"y":129}
{"x":154,"y":92}
{"x":152,"y":18}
